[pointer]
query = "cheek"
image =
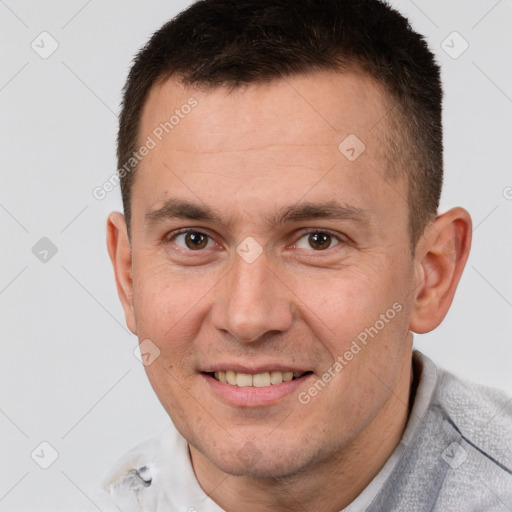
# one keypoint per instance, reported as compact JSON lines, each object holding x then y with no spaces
{"x":169,"y":301}
{"x":361,"y":319}
{"x":352,"y":302}
{"x":170,"y":311}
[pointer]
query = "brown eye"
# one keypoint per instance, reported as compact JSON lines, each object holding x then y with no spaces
{"x":196,"y":240}
{"x":320,"y":241}
{"x":193,"y":240}
{"x":317,"y":240}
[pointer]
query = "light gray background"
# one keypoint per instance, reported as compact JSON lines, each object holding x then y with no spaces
{"x":68,"y":375}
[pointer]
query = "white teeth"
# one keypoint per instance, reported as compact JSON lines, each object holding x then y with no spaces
{"x":276,"y":377}
{"x":261,"y":380}
{"x":243,"y":380}
{"x":258,"y":380}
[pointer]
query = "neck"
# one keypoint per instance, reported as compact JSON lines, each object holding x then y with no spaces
{"x":326,"y":486}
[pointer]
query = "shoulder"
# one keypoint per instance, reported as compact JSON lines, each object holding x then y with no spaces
{"x":482,"y":415}
{"x":456,"y":452}
{"x":474,"y":423}
{"x":132,"y":483}
{"x":155,"y":476}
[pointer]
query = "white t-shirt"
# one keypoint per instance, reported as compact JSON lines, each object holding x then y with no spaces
{"x":455,"y":455}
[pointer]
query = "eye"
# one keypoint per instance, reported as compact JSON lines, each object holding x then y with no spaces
{"x":317,"y":240}
{"x":192,"y":240}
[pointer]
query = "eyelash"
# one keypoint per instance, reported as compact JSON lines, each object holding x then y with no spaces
{"x":310,"y":231}
{"x":172,"y":236}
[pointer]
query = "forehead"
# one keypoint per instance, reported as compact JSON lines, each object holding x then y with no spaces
{"x":330,"y":103}
{"x":319,"y":133}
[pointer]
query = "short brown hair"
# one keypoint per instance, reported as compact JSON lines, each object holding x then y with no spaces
{"x":232,"y":43}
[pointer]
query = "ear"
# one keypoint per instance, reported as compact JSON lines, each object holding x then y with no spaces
{"x":441,"y":256}
{"x":118,"y":245}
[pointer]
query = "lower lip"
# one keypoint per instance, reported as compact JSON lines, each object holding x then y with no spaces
{"x":254,"y":397}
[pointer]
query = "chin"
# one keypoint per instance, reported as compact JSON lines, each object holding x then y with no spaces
{"x":261,"y":470}
{"x":262,"y":452}
{"x":261,"y":461}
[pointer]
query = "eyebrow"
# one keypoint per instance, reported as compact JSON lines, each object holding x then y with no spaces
{"x":326,"y":210}
{"x":181,"y":209}
{"x":175,"y":208}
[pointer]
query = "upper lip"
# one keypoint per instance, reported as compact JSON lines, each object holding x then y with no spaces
{"x":253,"y":369}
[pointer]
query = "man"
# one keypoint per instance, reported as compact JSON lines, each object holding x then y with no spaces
{"x":281,"y":167}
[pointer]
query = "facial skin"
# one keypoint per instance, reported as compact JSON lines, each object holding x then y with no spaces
{"x":249,"y":156}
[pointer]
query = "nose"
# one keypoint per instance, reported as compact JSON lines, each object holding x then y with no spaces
{"x":252,"y":301}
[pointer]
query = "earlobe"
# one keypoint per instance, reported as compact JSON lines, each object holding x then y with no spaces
{"x":440,"y":260}
{"x":118,"y":245}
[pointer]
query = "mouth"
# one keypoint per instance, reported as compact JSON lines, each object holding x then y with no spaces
{"x":256,"y":380}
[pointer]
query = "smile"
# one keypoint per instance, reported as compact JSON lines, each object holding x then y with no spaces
{"x":257,"y":380}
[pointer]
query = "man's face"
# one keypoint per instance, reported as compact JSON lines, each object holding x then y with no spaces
{"x":295,"y":248}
